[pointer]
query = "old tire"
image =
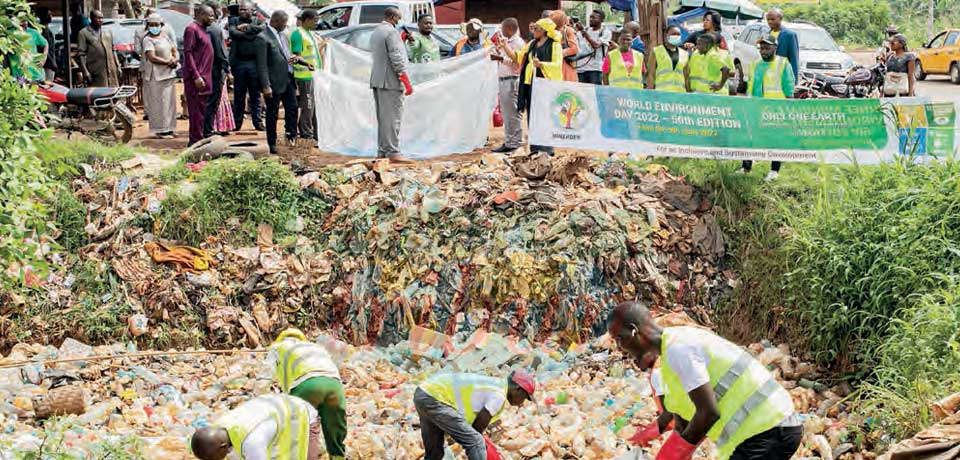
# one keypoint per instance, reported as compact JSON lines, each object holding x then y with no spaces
{"x":205,"y":149}
{"x":918,"y":72}
{"x":955,"y":73}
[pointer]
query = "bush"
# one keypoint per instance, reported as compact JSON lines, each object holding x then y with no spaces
{"x":858,"y":22}
{"x":236,"y":196}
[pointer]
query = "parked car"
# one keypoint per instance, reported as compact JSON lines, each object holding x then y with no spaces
{"x":359,"y":37}
{"x":940,"y":56}
{"x":340,"y":15}
{"x":818,"y":52}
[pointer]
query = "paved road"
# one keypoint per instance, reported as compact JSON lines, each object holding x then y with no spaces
{"x":937,"y":87}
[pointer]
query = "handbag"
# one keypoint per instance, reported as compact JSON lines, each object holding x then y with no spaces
{"x":896,"y":84}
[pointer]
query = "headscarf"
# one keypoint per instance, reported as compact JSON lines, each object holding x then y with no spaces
{"x":154,"y":18}
{"x":550,"y":28}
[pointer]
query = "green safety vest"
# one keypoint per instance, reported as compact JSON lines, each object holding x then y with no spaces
{"x":705,"y":70}
{"x":302,"y":72}
{"x":772,"y":79}
{"x":291,"y":414}
{"x":297,"y":358}
{"x":749,"y":398}
{"x":619,"y":76}
{"x":668,"y":78}
{"x":456,"y":390}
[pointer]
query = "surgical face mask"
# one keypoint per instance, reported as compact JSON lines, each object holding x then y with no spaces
{"x":673,"y":40}
{"x":154,"y":30}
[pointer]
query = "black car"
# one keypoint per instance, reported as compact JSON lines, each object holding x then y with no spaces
{"x":359,"y":37}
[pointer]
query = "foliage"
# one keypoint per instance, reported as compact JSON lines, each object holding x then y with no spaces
{"x":861,"y":22}
{"x":63,"y":158}
{"x":233,"y":195}
{"x":23,"y":183}
{"x":69,"y":216}
{"x":174,"y":174}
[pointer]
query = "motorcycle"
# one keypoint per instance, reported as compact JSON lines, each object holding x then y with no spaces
{"x":861,"y":82}
{"x":100,"y":113}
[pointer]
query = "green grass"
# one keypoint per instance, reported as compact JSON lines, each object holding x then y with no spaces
{"x":63,"y":158}
{"x":69,"y":215}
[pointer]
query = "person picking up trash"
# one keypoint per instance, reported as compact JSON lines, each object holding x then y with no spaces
{"x":306,"y":370}
{"x":726,"y":394}
{"x":463,"y":406}
{"x":264,"y":428}
{"x":665,"y":419}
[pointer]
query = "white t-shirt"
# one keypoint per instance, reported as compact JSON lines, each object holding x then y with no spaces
{"x":656,"y":381}
{"x":255,"y":445}
{"x":492,"y":401}
{"x":593,"y":63}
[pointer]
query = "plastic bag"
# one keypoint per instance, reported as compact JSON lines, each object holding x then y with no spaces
{"x":497,"y":117}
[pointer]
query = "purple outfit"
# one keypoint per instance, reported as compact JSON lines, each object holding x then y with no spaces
{"x":197,"y":62}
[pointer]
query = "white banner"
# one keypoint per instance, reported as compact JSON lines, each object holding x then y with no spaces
{"x":449,"y":112}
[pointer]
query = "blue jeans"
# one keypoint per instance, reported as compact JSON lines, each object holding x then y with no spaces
{"x":245,"y":82}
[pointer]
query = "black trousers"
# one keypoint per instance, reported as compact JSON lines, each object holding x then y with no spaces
{"x":779,"y":443}
{"x":594,"y":77}
{"x":289,"y":100}
{"x":245,"y":82}
{"x":748,"y":165}
{"x":213,"y":103}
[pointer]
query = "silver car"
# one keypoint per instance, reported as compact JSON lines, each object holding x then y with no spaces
{"x":818,"y":52}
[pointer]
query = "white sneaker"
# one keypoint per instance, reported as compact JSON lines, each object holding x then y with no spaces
{"x":772,"y":175}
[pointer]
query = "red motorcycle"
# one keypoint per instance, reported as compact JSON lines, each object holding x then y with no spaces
{"x":100,"y":113}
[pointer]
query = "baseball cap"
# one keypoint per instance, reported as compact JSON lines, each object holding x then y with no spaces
{"x":769,"y":39}
{"x":525,"y":381}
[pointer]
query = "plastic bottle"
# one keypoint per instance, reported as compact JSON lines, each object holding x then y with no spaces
{"x":147,"y":375}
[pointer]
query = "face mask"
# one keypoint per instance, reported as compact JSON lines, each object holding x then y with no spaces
{"x":154,"y":30}
{"x":673,"y":40}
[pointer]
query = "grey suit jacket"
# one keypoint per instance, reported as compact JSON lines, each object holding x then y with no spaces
{"x":273,"y":70}
{"x":389,"y":57}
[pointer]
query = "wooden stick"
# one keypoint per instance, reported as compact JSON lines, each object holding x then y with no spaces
{"x":149,"y":354}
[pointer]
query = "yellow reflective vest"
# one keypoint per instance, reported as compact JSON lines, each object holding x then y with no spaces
{"x":749,"y":398}
{"x":298,"y":359}
{"x":309,"y":54}
{"x":772,"y":79}
{"x":623,"y":77}
{"x":669,"y":78}
{"x":291,"y":414}
{"x":456,"y":390}
{"x":706,"y":70}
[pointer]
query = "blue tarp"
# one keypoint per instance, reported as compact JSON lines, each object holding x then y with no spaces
{"x":679,"y":19}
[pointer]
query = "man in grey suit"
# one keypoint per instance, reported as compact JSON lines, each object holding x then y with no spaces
{"x":389,"y":82}
{"x":275,"y":72}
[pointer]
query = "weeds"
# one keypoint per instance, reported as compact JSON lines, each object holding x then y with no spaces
{"x":58,"y":444}
{"x":69,"y":215}
{"x":63,"y":158}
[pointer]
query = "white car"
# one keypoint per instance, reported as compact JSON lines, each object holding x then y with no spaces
{"x":818,"y":52}
{"x":339,"y":15}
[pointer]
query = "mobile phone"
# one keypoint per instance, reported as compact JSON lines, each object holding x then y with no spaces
{"x":575,"y":20}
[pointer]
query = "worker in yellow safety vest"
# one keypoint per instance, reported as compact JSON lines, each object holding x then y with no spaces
{"x":666,"y":66}
{"x":474,"y":38}
{"x":771,"y":77}
{"x":462,"y":406}
{"x":304,"y":45}
{"x":623,"y":67}
{"x":707,"y":71}
{"x":725,"y":394}
{"x":306,"y":370}
{"x":267,"y":427}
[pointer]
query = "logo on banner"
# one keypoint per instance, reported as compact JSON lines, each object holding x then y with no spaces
{"x":569,"y":111}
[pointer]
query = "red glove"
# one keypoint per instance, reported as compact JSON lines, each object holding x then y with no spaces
{"x":408,"y":88}
{"x":676,"y":448}
{"x":643,"y":437}
{"x":492,"y":453}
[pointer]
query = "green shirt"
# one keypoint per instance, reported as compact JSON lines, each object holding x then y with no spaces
{"x":786,"y":80}
{"x":33,"y":69}
{"x":423,"y":49}
{"x":296,"y":46}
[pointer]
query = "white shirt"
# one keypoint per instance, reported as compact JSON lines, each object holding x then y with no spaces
{"x":492,"y":401}
{"x":255,"y":445}
{"x":656,"y":381}
{"x":284,"y":47}
{"x":594,"y":62}
{"x":508,"y":67}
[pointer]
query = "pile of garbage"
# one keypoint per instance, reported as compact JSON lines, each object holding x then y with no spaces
{"x":523,"y":246}
{"x":587,"y":402}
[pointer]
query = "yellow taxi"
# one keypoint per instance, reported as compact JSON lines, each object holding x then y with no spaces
{"x":941,"y":56}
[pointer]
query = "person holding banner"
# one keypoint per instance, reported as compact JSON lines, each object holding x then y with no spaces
{"x":665,"y":68}
{"x":623,"y":67}
{"x":706,"y":72}
{"x":542,"y":57}
{"x":770,"y":78}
